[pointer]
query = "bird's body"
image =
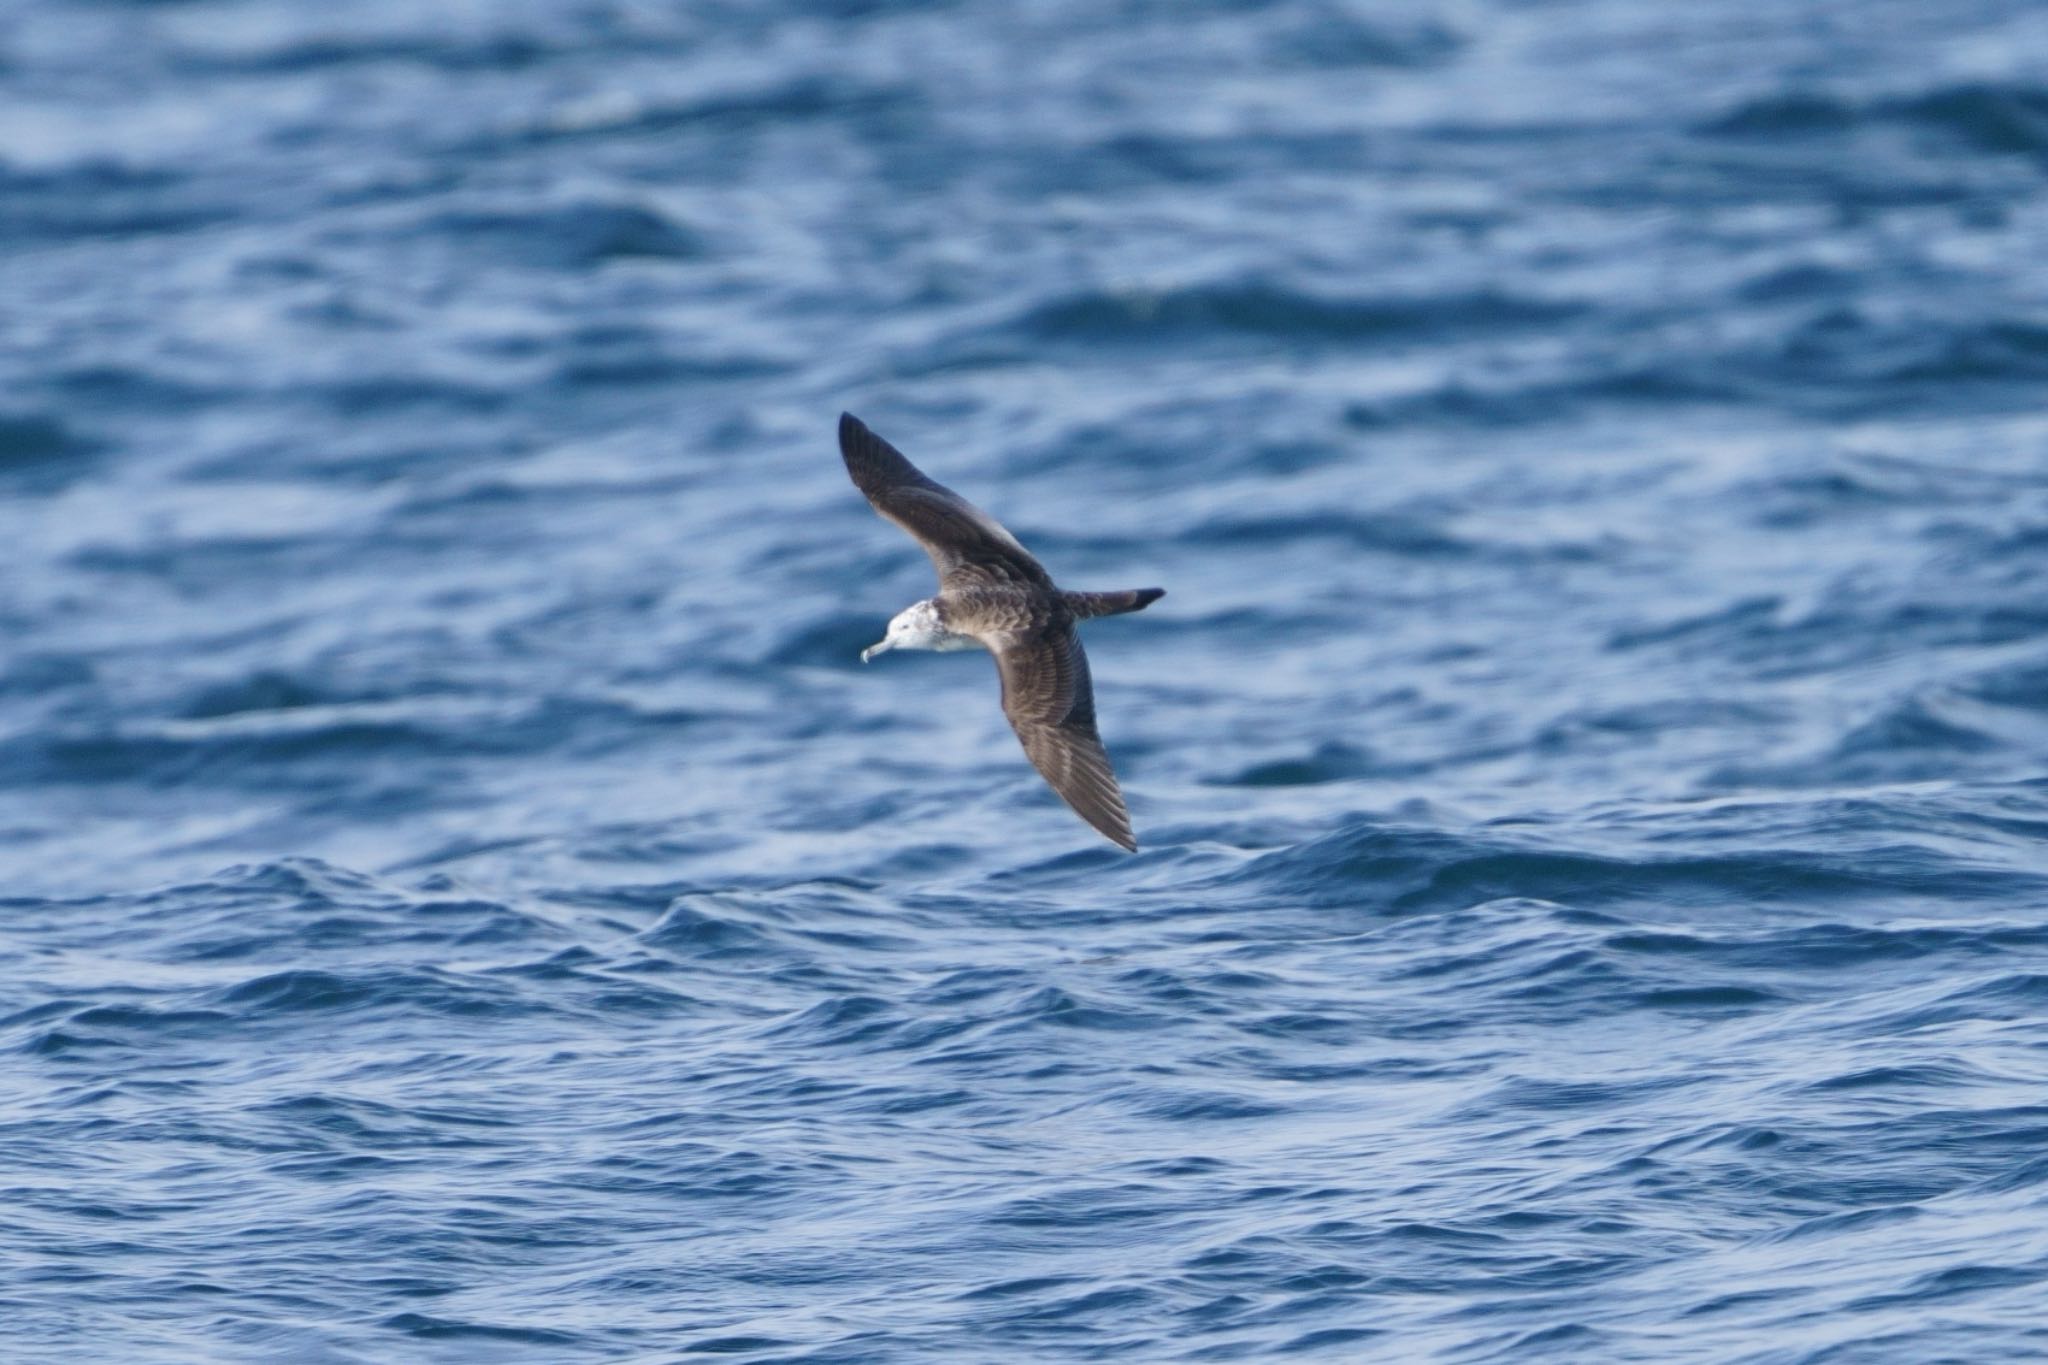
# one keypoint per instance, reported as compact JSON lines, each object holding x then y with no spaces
{"x":994,"y":595}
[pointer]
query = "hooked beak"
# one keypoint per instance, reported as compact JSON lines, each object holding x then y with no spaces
{"x":880,"y":646}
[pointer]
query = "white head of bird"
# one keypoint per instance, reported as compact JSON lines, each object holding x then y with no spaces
{"x":918,"y":626}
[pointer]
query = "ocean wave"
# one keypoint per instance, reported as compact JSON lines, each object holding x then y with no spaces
{"x":1172,"y":314}
{"x":737,"y":107}
{"x":254,"y":745}
{"x":1998,"y":118}
{"x":101,"y":197}
{"x":572,"y":234}
{"x":1588,"y":766}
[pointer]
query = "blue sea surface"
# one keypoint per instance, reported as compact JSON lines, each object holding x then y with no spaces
{"x":462,"y":900}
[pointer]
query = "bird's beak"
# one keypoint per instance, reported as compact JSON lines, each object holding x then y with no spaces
{"x":880,"y":646}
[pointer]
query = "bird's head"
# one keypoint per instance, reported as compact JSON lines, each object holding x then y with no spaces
{"x":917,"y":626}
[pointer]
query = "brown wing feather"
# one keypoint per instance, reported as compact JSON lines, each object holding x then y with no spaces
{"x":968,"y":547}
{"x":1050,"y":700}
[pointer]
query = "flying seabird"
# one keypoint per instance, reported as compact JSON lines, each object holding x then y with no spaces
{"x":993,"y":594}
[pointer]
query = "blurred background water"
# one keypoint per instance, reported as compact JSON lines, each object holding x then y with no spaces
{"x":464,"y":901}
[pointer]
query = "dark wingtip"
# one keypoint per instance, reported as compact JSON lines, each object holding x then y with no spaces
{"x":1147,"y":596}
{"x":861,"y":449}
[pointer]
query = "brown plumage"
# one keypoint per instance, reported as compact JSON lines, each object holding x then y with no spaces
{"x":993,"y":593}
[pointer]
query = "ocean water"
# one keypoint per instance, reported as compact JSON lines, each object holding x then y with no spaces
{"x":461,"y":900}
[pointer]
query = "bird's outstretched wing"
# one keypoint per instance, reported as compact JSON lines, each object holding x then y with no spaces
{"x":968,"y":547}
{"x":1050,"y":701}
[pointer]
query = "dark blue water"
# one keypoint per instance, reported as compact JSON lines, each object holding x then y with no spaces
{"x":463,"y":901}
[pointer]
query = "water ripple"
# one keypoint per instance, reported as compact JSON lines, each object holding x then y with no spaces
{"x":464,"y":900}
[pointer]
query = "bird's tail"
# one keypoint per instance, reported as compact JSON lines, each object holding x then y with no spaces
{"x":1085,"y":605}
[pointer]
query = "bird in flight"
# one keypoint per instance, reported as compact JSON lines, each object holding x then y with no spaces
{"x":994,"y":595}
